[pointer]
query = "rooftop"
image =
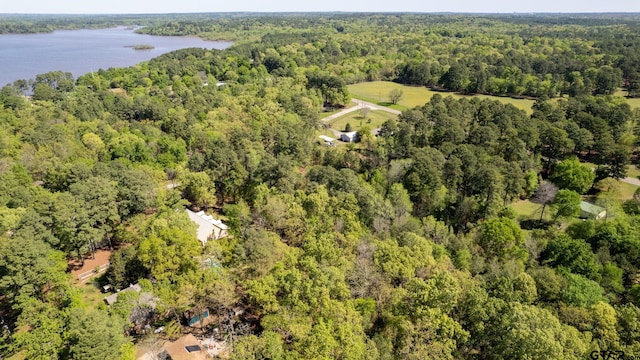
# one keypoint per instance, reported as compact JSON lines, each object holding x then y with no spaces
{"x":114,"y":297}
{"x":326,"y":138}
{"x":205,"y":224}
{"x":591,"y":208}
{"x":185,"y":348}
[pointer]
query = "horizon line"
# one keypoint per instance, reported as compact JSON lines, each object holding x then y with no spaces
{"x":343,"y":12}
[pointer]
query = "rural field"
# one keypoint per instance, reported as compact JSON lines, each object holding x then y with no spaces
{"x":633,"y":102}
{"x":373,"y":120}
{"x":378,"y":92}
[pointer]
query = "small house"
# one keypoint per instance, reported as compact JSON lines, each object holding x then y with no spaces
{"x":185,"y":348}
{"x":111,"y":299}
{"x":349,"y":136}
{"x":208,"y":227}
{"x":592,"y":211}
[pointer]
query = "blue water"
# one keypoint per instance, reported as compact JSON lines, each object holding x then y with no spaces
{"x":82,"y":51}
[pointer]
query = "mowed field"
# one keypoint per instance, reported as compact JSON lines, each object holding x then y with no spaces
{"x":633,"y":102}
{"x":527,"y":210}
{"x":378,"y":92}
{"x":373,"y":120}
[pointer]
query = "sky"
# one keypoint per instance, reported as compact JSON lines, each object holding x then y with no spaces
{"x":189,"y":6}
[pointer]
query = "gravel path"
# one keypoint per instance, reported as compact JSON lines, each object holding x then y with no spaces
{"x":632,"y":181}
{"x":360,"y":104}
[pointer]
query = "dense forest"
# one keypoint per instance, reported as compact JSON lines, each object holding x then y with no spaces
{"x":404,"y":245}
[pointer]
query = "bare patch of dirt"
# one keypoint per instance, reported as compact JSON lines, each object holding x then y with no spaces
{"x":91,"y":263}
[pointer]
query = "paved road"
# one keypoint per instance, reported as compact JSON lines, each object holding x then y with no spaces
{"x":340,"y":113}
{"x":359,"y":105}
{"x":372,"y":106}
{"x":632,"y":181}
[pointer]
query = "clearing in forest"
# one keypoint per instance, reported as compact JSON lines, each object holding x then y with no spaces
{"x":378,"y":92}
{"x":92,"y":266}
{"x":373,"y":119}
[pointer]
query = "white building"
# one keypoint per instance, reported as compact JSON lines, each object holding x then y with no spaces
{"x":348,"y":136}
{"x":208,"y":227}
{"x":592,"y":211}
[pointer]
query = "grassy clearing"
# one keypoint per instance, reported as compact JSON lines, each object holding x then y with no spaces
{"x":633,"y":171}
{"x":626,"y":191}
{"x":325,"y":132}
{"x":373,"y":120}
{"x":22,"y":355}
{"x":91,"y":295}
{"x":525,"y":210}
{"x":378,"y":92}
{"x":620,"y":190}
{"x":633,"y":102}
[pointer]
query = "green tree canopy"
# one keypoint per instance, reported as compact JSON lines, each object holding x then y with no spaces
{"x":502,"y":238}
{"x":567,"y":203}
{"x":571,"y":174}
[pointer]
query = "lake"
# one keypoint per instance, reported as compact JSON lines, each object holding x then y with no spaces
{"x":23,"y":56}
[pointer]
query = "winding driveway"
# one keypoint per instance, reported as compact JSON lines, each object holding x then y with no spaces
{"x":360,"y":104}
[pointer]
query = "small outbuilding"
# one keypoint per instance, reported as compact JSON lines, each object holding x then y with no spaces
{"x":349,"y":136}
{"x":592,"y":211}
{"x":327,"y":140}
{"x":208,"y":227}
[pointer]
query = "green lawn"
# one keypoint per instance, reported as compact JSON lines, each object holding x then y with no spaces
{"x":19,"y":356}
{"x":633,"y":102}
{"x":526,"y":209}
{"x":374,"y":119}
{"x":91,"y":295}
{"x":633,"y":171}
{"x":325,"y":132}
{"x":626,"y":190}
{"x":378,"y":92}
